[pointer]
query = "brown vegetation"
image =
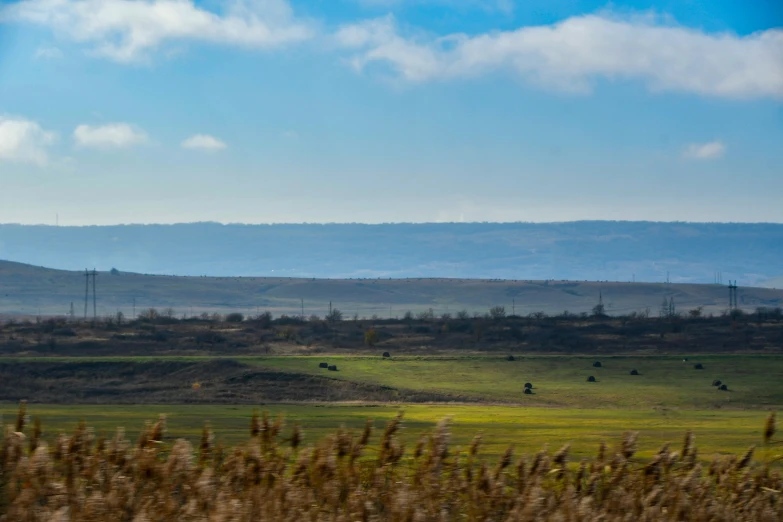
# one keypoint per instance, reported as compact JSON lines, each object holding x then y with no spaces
{"x":161,"y":333}
{"x":220,"y":381}
{"x":272,"y":477}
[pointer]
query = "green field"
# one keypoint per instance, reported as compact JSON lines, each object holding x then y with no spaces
{"x":559,"y":381}
{"x":663,"y":382}
{"x":668,"y":398}
{"x":529,"y":429}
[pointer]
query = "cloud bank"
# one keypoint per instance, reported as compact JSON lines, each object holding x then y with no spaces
{"x":572,"y":54}
{"x":24,"y":141}
{"x":127,"y":30}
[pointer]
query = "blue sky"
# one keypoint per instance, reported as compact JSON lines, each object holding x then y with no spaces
{"x":259,"y":111}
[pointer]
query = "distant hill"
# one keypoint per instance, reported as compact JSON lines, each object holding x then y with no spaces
{"x":29,"y":290}
{"x":587,"y":250}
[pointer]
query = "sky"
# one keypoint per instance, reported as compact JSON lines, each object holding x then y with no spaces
{"x":269,"y":111}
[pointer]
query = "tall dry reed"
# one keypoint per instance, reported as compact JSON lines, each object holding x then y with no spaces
{"x":343,"y":478}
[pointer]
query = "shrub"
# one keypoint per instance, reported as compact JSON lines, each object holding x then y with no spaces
{"x":370,"y":337}
{"x":334,"y":315}
{"x":497,"y":312}
{"x":234,"y":317}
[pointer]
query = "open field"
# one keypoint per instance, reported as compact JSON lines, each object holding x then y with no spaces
{"x":560,"y":381}
{"x":529,"y":429}
{"x":31,"y":291}
{"x":664,"y":382}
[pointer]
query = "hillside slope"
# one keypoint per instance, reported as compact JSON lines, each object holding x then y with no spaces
{"x":25,"y":289}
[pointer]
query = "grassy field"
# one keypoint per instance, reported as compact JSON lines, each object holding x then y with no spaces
{"x":664,"y":382}
{"x":529,"y":429}
{"x":668,"y":398}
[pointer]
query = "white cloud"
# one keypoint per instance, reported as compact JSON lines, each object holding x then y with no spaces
{"x":571,"y":54}
{"x":704,"y":151}
{"x":127,"y":30}
{"x":112,"y":135}
{"x":24,"y":141}
{"x":204,"y":142}
{"x":502,"y":6}
{"x":48,"y":53}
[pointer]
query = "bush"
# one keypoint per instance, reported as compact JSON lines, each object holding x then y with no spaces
{"x":234,"y":317}
{"x":370,"y":337}
{"x":334,"y":315}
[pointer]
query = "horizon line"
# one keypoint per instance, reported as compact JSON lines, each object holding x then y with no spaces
{"x":385,"y":223}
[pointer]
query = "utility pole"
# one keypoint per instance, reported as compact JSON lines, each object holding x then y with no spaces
{"x":86,"y":291}
{"x":71,"y":314}
{"x":302,"y":307}
{"x":94,"y":296}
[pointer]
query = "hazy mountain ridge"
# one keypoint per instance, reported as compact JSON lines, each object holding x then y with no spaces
{"x":585,"y":250}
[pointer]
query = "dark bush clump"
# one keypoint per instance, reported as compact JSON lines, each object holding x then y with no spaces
{"x":698,"y":366}
{"x":597,"y":364}
{"x":386,"y":355}
{"x":634,"y":372}
{"x":716,"y":382}
{"x":332,"y":368}
{"x":323,"y":365}
{"x":723,"y":387}
{"x":591,"y":379}
{"x":528,"y":385}
{"x":510,"y":358}
{"x":235,"y":317}
{"x":528,"y":391}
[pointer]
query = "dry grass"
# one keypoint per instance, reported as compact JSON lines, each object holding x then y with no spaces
{"x":271,"y":477}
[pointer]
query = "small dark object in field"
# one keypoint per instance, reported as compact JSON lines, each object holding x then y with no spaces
{"x":386,"y":355}
{"x":634,"y":372}
{"x":698,"y":366}
{"x":597,"y":364}
{"x":510,"y":358}
{"x":528,"y":391}
{"x":333,"y":368}
{"x":591,"y":379}
{"x":685,"y":359}
{"x":723,"y":387}
{"x":716,"y":382}
{"x":323,"y":365}
{"x":528,"y":385}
